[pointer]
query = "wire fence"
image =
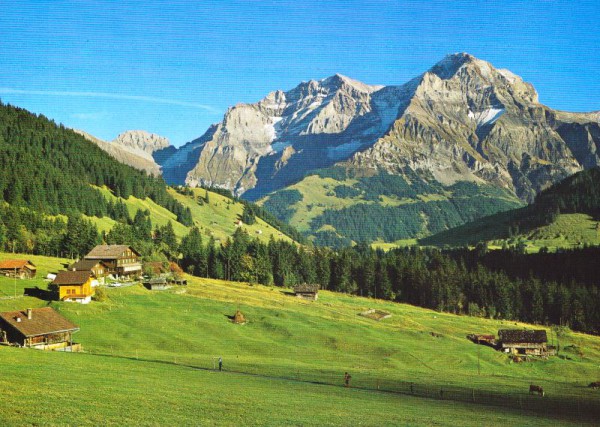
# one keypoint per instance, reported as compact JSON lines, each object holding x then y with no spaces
{"x":568,"y":406}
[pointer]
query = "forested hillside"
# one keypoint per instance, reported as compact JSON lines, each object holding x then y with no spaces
{"x":50,"y":168}
{"x":60,"y":195}
{"x":338,"y":206}
{"x":577,"y":194}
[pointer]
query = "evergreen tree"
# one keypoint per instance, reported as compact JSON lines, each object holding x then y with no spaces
{"x":248,"y":216}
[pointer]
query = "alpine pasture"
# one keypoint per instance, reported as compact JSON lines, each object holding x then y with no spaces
{"x":150,"y":357}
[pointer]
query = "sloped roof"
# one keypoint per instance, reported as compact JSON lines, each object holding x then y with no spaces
{"x":85,"y":264}
{"x":43,"y":321}
{"x":72,"y":277}
{"x":109,"y":252}
{"x":522,"y":336}
{"x":16,"y":263}
{"x":305,"y":287}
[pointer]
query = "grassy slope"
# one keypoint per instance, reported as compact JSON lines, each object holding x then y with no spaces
{"x":284,"y":337}
{"x":218,"y":217}
{"x":567,"y":231}
{"x":318,"y":195}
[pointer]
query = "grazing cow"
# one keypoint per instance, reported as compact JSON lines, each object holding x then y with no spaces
{"x":536,"y":389}
{"x":595,"y":385}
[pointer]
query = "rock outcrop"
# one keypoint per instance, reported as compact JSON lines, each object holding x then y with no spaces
{"x":134,"y":148}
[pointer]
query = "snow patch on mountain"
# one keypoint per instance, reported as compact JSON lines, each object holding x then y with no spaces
{"x":486,"y":117}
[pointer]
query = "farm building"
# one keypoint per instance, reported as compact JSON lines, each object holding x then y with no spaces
{"x":306,"y":291}
{"x":121,"y":260}
{"x":484,"y":339}
{"x":41,"y":328}
{"x":98,"y":269}
{"x":157,"y":284}
{"x":74,"y":286}
{"x":527,"y":342}
{"x":19,"y":268}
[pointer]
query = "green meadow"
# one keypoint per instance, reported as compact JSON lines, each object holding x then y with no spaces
{"x":567,"y":231}
{"x":150,"y":356}
{"x":216,"y":218}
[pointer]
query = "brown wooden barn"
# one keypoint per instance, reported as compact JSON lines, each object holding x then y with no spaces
{"x":19,"y":268}
{"x":157,"y":284}
{"x":526,"y":342}
{"x":307,"y":291}
{"x":121,"y":260}
{"x":97,"y":268}
{"x":41,"y":328}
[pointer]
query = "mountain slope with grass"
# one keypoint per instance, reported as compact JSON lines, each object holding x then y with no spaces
{"x":340,"y":206}
{"x":59,"y":192}
{"x":149,"y":341}
{"x":563,"y":216}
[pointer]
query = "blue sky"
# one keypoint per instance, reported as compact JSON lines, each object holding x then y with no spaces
{"x":174,"y":67}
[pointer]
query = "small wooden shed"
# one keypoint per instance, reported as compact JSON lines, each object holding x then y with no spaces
{"x":19,"y":268}
{"x":526,"y":342}
{"x":157,"y":284}
{"x":307,"y":291}
{"x":41,"y":328}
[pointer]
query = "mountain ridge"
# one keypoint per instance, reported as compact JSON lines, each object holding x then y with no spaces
{"x":462,"y":110}
{"x":134,"y":148}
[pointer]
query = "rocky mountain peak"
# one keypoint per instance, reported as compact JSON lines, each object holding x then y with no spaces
{"x":339,"y":81}
{"x":142,"y":141}
{"x":127,"y":154}
{"x":462,"y":120}
{"x":449,"y":66}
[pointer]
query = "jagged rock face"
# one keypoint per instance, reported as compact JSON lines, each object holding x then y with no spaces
{"x":267,"y":145}
{"x":134,"y":157}
{"x":141,"y":142}
{"x":461,"y":120}
{"x":468,"y":121}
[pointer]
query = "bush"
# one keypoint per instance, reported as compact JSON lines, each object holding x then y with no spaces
{"x":100,"y":295}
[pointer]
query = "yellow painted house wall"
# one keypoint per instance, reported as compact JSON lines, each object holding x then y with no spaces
{"x":68,"y":290}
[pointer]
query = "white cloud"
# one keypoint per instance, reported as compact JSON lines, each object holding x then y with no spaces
{"x":7,"y":90}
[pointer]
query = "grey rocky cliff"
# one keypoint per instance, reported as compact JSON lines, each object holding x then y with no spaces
{"x":471,"y":122}
{"x":462,"y":120}
{"x":128,"y":153}
{"x":141,"y":142}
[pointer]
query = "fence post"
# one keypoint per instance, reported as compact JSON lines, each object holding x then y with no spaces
{"x":412,"y":388}
{"x":473,"y":394}
{"x":520,"y":401}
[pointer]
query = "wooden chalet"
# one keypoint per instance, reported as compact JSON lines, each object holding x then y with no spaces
{"x":74,"y":286}
{"x":523,"y":342}
{"x":307,"y":291}
{"x":41,"y":328}
{"x":121,"y":260}
{"x":97,"y":268}
{"x":18,"y":268}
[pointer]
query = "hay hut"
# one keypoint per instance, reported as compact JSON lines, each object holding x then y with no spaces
{"x":239,"y":318}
